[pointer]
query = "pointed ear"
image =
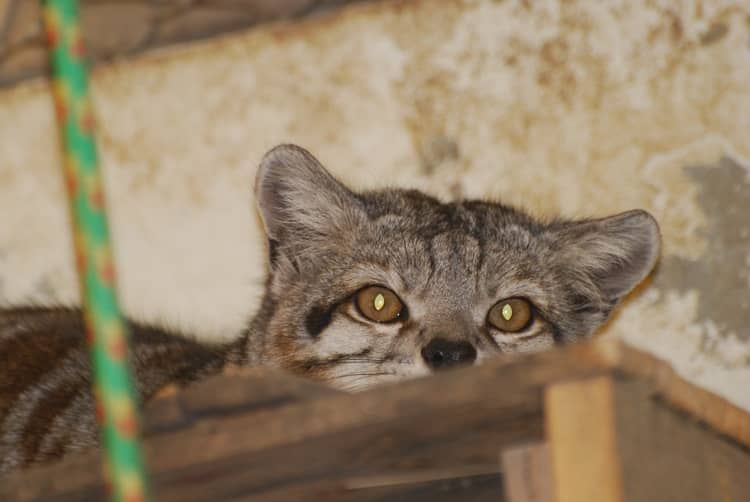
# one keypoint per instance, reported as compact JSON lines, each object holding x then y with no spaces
{"x":615,"y":253}
{"x":297,"y":198}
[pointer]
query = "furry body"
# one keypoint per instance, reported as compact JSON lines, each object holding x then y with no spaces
{"x":446,"y":265}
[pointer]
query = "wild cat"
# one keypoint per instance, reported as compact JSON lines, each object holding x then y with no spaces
{"x":363,"y":288}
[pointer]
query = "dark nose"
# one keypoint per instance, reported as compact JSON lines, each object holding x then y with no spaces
{"x":441,"y":353}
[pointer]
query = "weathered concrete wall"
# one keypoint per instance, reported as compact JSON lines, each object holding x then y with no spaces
{"x":579,"y":108}
{"x":116,"y":29}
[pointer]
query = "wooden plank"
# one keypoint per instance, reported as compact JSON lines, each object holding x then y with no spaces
{"x":416,"y":477}
{"x":715,"y":411}
{"x":479,"y":488}
{"x":668,"y":456}
{"x":250,"y":437}
{"x":527,"y":473}
{"x":346,"y":459}
{"x":580,"y":424}
{"x":486,"y":487}
{"x":332,"y":460}
{"x":475,"y":488}
{"x":237,"y":390}
{"x":414,"y":425}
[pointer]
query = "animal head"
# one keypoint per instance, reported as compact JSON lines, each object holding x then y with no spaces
{"x":374,"y":286}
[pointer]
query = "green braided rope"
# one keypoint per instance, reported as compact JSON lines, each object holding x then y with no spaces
{"x":106,"y":330}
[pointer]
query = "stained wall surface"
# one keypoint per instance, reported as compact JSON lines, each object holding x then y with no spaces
{"x":113,"y":29}
{"x":563,"y":107}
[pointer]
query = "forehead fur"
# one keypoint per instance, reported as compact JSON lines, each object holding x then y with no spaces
{"x":429,"y":239}
{"x":454,"y":254}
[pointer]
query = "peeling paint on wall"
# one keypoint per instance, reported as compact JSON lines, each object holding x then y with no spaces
{"x":722,"y":274}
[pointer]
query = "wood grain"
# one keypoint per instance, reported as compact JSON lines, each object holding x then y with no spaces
{"x":258,"y":435}
{"x":715,"y":411}
{"x":452,"y":419}
{"x":527,"y":473}
{"x":582,"y":437}
{"x":669,"y":456}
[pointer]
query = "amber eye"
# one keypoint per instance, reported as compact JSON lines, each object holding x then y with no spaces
{"x":511,"y":315}
{"x":379,"y":304}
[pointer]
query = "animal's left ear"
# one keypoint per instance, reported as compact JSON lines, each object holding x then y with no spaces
{"x":302,"y":206}
{"x":615,"y":253}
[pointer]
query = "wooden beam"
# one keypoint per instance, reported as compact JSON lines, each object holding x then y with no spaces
{"x":258,"y":435}
{"x":667,"y":455}
{"x":238,"y":390}
{"x":704,"y":406}
{"x":580,"y":422}
{"x":527,"y":473}
{"x":620,"y":439}
{"x":452,"y":419}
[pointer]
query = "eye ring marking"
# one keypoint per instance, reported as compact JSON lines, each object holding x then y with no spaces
{"x":379,"y":304}
{"x":511,"y":315}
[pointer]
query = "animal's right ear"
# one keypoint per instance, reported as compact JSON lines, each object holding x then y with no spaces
{"x":615,"y":253}
{"x":299,"y":201}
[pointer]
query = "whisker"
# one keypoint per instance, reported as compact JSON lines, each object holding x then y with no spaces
{"x":360,"y":374}
{"x":337,"y":360}
{"x":359,"y":361}
{"x":357,"y":382}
